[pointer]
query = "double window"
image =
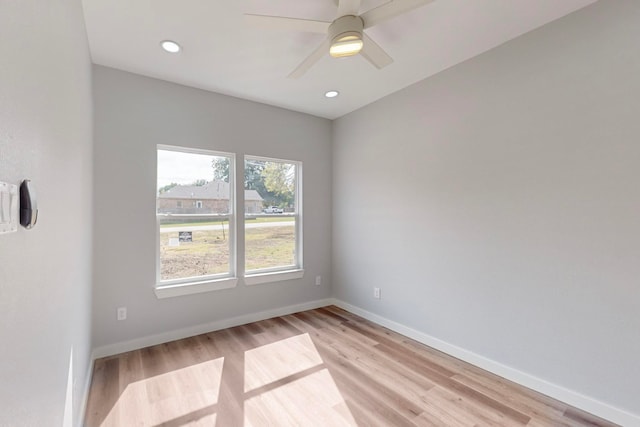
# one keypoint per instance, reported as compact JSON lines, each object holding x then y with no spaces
{"x":196,"y":203}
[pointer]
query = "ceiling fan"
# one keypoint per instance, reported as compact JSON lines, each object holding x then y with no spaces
{"x":345,"y":35}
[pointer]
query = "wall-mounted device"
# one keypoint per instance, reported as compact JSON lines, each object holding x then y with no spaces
{"x":8,"y":208}
{"x":28,"y":205}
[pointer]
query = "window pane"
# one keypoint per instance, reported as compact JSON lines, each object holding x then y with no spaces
{"x":270,"y":243}
{"x":192,"y":184}
{"x":193,"y":247}
{"x":270,"y":205}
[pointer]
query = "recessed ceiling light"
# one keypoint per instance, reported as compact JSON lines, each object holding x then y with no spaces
{"x":170,"y":46}
{"x":332,"y":94}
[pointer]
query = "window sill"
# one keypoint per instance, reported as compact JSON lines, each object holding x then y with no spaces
{"x":189,"y":288}
{"x":276,"y":276}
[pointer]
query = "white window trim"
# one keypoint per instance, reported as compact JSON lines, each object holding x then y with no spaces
{"x":199,"y":284}
{"x":190,"y":288}
{"x":276,"y":274}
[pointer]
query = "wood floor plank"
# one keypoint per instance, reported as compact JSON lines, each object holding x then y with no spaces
{"x":475,"y":414}
{"x":378,"y":371}
{"x":231,"y":396}
{"x":446,"y":382}
{"x":435,"y":414}
{"x":323,"y":367}
{"x":133,"y":407}
{"x":423,"y":362}
{"x":338,"y":317}
{"x":512,"y":395}
{"x":349,"y":368}
{"x":104,"y":393}
{"x":584,"y":418}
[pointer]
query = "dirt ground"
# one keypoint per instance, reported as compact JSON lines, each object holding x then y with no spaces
{"x":209,"y":252}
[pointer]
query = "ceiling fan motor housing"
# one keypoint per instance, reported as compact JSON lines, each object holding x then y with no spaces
{"x":348,"y":25}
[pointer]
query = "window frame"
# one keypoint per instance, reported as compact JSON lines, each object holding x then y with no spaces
{"x":279,"y":273}
{"x":196,"y":284}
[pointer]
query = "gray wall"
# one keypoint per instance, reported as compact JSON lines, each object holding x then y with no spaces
{"x":45,"y":273}
{"x":132,"y":115}
{"x":497,"y":204}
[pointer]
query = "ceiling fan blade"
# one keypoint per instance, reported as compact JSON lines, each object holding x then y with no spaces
{"x":283,"y":23}
{"x":390,"y":10}
{"x":348,"y":7}
{"x":374,"y":53}
{"x":310,"y":60}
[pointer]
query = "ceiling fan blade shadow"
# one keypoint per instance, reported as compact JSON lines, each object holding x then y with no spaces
{"x":374,"y":53}
{"x":390,"y":10}
{"x":311,"y":60}
{"x":348,"y":7}
{"x":284,"y":23}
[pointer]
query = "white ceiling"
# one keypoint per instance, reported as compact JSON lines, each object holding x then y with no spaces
{"x":221,"y":53}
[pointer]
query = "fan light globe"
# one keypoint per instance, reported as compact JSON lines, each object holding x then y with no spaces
{"x":346,"y":45}
{"x":345,"y":34}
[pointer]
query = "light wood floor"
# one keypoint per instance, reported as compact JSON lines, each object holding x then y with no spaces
{"x":323,"y":367}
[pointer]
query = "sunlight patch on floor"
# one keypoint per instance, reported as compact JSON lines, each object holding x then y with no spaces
{"x":283,"y":383}
{"x":187,"y":393}
{"x":313,"y":400}
{"x":272,"y":362}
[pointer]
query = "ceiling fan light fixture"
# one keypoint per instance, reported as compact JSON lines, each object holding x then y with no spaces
{"x":346,"y":44}
{"x":345,"y":34}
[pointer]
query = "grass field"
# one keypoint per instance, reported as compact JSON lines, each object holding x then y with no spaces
{"x":209,"y":252}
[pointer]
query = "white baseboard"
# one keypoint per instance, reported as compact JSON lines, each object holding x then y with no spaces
{"x":560,"y":393}
{"x":135,"y":344}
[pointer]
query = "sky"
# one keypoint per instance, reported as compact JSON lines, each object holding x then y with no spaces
{"x":183,"y":168}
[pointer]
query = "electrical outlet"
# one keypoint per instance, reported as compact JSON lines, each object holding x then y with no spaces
{"x":318,"y":280}
{"x":376,"y":293}
{"x":122,"y":313}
